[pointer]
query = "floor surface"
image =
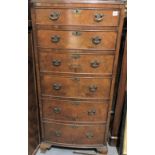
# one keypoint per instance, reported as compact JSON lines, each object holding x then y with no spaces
{"x":60,"y":151}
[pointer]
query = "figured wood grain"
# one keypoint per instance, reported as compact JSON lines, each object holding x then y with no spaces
{"x":77,"y":87}
{"x":70,"y":17}
{"x":76,"y":62}
{"x":78,"y":111}
{"x":69,"y":133}
{"x":70,"y":41}
{"x":111,"y":37}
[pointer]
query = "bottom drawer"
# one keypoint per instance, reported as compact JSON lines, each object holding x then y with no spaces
{"x":74,"y":134}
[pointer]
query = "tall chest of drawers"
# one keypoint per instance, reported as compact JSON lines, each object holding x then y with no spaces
{"x":76,"y":54}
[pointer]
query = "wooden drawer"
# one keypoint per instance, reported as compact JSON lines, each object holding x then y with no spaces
{"x":64,"y":61}
{"x":77,"y":17}
{"x":101,"y":40}
{"x":74,"y":134}
{"x":76,"y":87}
{"x":80,"y":111}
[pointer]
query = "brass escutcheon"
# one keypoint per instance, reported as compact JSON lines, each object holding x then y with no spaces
{"x":76,"y":79}
{"x":76,"y":33}
{"x":76,"y":56}
{"x":76,"y":11}
{"x":75,"y":102}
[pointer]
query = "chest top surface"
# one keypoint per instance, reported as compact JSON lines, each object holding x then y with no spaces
{"x":80,"y":1}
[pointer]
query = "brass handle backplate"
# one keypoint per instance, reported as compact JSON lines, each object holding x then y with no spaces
{"x":92,"y":88}
{"x":56,"y":62}
{"x":58,"y":133}
{"x":92,"y":112}
{"x":96,"y":40}
{"x":89,"y":135}
{"x":57,"y":110}
{"x":98,"y":17}
{"x":95,"y":64}
{"x":54,"y":16}
{"x":55,"y":39}
{"x":56,"y":86}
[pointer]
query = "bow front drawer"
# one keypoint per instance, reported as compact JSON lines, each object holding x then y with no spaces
{"x":76,"y":62}
{"x":74,"y":134}
{"x":79,"y":111}
{"x":80,"y":87}
{"x":77,"y":17}
{"x":103,"y":40}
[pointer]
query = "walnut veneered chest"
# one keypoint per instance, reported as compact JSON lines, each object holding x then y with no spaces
{"x":76,"y":55}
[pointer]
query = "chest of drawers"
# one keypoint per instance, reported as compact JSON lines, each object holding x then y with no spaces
{"x":76,"y":54}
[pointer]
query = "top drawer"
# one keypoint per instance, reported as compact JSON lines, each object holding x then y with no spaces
{"x":85,"y":17}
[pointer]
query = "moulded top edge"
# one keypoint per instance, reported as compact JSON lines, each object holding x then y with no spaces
{"x":81,"y":1}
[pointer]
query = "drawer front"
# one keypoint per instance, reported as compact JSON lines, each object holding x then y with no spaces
{"x":94,"y":88}
{"x":85,"y":17}
{"x":74,"y":134}
{"x":100,"y":40}
{"x":75,"y":110}
{"x":75,"y":62}
{"x":58,"y":86}
{"x":82,"y":87}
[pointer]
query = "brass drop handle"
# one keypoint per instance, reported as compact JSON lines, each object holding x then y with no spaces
{"x":92,"y":88}
{"x":57,"y":110}
{"x":96,"y":40}
{"x":55,"y":39}
{"x":95,"y":64}
{"x":92,"y":112}
{"x":98,"y":17}
{"x":89,"y":135}
{"x":58,"y":133}
{"x":56,"y":86}
{"x":56,"y":62}
{"x":54,"y":16}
